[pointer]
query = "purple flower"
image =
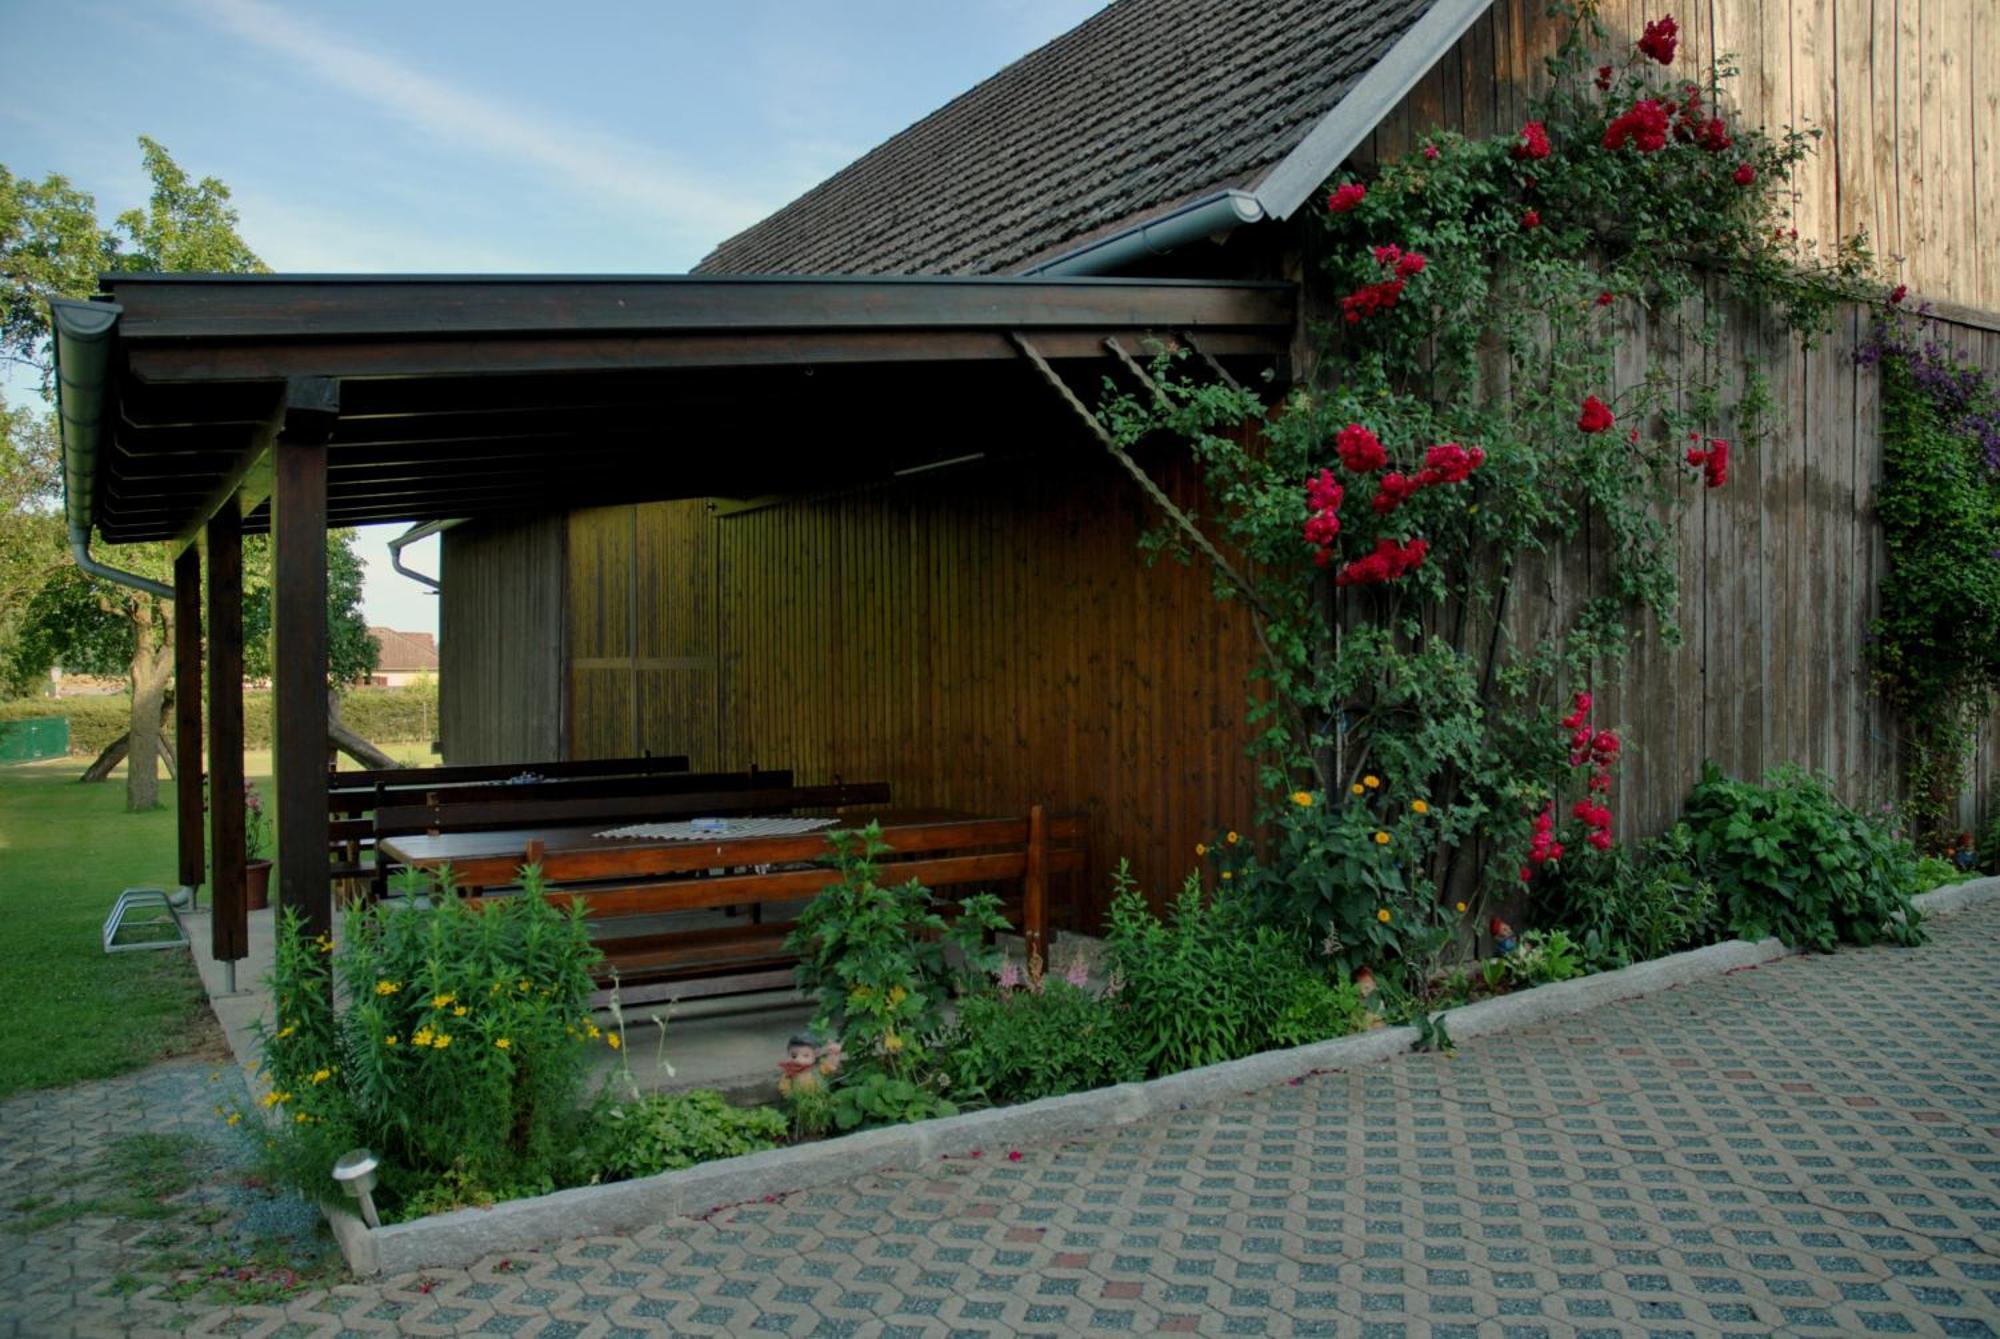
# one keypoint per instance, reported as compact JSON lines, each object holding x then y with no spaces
{"x":1009,"y":975}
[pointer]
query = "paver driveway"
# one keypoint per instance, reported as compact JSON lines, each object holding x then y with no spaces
{"x":1810,"y":1147}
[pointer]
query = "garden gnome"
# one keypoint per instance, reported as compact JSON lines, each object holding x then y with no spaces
{"x":797,"y":1069}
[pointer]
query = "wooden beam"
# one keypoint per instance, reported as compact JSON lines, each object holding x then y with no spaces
{"x":299,"y":658}
{"x":229,"y":918}
{"x":187,"y":716}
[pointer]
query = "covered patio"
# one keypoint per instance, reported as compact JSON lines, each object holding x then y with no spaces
{"x":199,"y":409}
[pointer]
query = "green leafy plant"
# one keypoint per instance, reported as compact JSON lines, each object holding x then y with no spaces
{"x":1433,"y":1034}
{"x":460,"y":1055}
{"x":1543,"y":957}
{"x":1789,"y":859}
{"x":1206,"y":983}
{"x":1315,"y":1007}
{"x":884,"y":963}
{"x":1629,"y":907}
{"x":666,"y":1131}
{"x":1025,"y":1039}
{"x":1936,"y":645}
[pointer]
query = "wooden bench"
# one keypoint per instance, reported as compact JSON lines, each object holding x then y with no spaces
{"x":353,"y":797}
{"x":652,"y":878}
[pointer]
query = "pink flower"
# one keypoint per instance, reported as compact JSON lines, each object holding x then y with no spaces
{"x":1430,"y":151}
{"x":1009,"y":975}
{"x":1078,"y":974}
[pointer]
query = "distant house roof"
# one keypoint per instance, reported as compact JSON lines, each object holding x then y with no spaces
{"x":405,"y":652}
{"x":1147,"y":105}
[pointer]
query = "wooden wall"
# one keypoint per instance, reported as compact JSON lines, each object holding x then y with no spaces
{"x":982,"y":640}
{"x":500,"y":641}
{"x":1907,"y":93}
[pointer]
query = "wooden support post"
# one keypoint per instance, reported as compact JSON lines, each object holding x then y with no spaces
{"x":229,"y":918}
{"x":299,"y":657}
{"x":187,"y":717}
{"x":1034,"y":891}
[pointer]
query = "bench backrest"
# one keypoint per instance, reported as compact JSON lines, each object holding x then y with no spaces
{"x":499,"y":814}
{"x":568,"y":769}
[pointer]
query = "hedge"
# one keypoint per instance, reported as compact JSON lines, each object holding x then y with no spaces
{"x":378,"y":715}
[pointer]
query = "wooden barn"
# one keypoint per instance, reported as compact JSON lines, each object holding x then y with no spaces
{"x":826,"y":507}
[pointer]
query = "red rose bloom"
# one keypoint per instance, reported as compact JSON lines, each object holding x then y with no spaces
{"x":1346,"y":197}
{"x":1430,"y":151}
{"x":1360,"y":450}
{"x":1603,"y":80}
{"x":1531,"y":219}
{"x":1660,"y":39}
{"x":1644,"y":127}
{"x":1534,"y":141}
{"x":1897,"y":294}
{"x":1596,"y":416}
{"x":1745,"y":174}
{"x":1604,"y":298}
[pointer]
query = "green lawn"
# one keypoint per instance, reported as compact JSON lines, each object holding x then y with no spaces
{"x":66,"y":851}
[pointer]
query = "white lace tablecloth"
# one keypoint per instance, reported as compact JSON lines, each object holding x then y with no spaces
{"x":708,"y":829}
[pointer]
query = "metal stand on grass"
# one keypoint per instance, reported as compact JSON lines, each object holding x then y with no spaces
{"x":155,"y":910}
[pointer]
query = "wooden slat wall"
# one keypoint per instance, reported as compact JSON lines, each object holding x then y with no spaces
{"x":1907,"y":93}
{"x":499,"y":642}
{"x":982,"y":641}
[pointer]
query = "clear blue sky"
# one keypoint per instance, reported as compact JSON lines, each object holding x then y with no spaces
{"x":386,"y":135}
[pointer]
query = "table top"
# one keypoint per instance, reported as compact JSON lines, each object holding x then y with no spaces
{"x":424,"y":851}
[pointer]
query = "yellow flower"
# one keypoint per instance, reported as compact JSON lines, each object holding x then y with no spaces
{"x":1461,"y":908}
{"x":891,"y":1043}
{"x":439,"y":1001}
{"x":387,"y":987}
{"x":322,"y":1074}
{"x":1381,"y":839}
{"x":234,"y":1117}
{"x":286,"y":1031}
{"x":504,"y":1043}
{"x":302,"y":1118}
{"x":590,"y":1031}
{"x":1302,"y":798}
{"x":1358,"y":789}
{"x":458,"y":1012}
{"x":1372,"y":782}
{"x":612,"y":1041}
{"x":421,"y":1037}
{"x":439,"y":1042}
{"x":897,"y":995}
{"x":391,"y":1039}
{"x":324,"y":943}
{"x":1383,"y":915}
{"x":521,"y":985}
{"x":1419,"y":807}
{"x":1201,"y":848}
{"x":1232,"y":839}
{"x":275,"y":1098}
{"x":1227,"y":876}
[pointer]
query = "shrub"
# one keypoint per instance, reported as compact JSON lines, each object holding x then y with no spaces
{"x":1788,"y":859}
{"x":379,"y":715}
{"x":460,"y":1058}
{"x":881,"y":962}
{"x":1623,"y":908}
{"x":1208,"y":982}
{"x":667,"y":1131}
{"x":1024,"y":1040}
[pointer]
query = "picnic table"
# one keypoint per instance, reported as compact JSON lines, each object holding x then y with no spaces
{"x":630,"y":878}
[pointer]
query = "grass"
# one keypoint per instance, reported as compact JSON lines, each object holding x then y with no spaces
{"x":66,"y":851}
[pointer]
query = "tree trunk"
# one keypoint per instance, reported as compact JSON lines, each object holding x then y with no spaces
{"x":114,"y":753}
{"x":151,"y":669}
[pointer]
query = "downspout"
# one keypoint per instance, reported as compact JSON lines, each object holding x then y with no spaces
{"x":1209,"y":217}
{"x":83,"y":333}
{"x":424,"y":530}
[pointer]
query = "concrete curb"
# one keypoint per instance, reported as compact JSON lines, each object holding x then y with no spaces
{"x":457,"y":1239}
{"x":1959,"y":896}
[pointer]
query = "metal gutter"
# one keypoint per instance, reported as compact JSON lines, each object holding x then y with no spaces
{"x":422,"y":530}
{"x":1211,"y":216}
{"x":82,"y":344}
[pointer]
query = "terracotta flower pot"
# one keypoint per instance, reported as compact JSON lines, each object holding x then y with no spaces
{"x":257,"y":885}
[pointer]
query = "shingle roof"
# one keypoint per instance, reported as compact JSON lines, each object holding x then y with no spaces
{"x":404,"y":652}
{"x":1145,"y":104}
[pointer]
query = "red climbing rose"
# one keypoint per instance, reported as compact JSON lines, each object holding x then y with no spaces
{"x":1660,"y":39}
{"x":1596,"y":416}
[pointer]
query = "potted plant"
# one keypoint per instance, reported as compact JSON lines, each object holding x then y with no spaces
{"x":256,"y":835}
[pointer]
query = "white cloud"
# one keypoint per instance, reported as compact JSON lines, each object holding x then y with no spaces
{"x":605,"y":168}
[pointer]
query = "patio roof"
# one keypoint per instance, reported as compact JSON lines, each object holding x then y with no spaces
{"x":454,"y":396}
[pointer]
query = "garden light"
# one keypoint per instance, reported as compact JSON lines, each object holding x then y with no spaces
{"x":356,"y":1173}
